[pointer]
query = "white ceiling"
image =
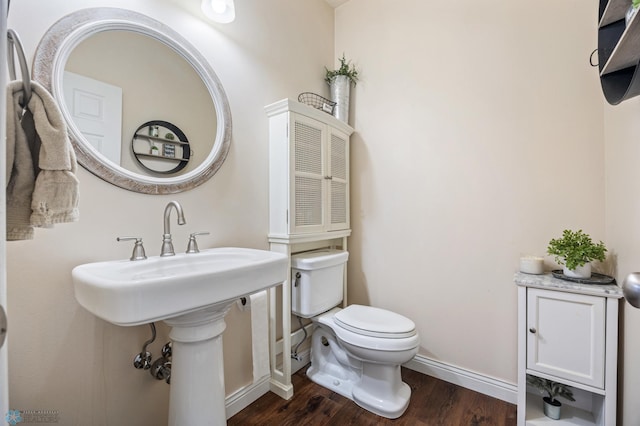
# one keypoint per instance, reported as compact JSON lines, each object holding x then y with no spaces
{"x":336,"y":3}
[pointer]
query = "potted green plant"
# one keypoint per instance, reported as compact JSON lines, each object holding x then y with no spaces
{"x":347,"y":69}
{"x":552,"y":407}
{"x":576,"y":250}
{"x":340,"y":81}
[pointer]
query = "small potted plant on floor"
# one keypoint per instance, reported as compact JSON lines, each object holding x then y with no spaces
{"x":552,"y":407}
{"x":576,"y":250}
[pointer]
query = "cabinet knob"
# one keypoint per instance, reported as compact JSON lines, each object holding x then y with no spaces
{"x":532,"y":330}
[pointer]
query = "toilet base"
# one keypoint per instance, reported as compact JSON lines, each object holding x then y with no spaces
{"x":382,"y":391}
{"x":390,"y":400}
{"x":377,"y":388}
{"x":392,"y":408}
{"x":331,"y":367}
{"x":342,"y":387}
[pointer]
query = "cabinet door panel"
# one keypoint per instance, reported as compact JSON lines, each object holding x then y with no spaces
{"x":308,"y":190}
{"x":566,"y":336}
{"x":339,"y":178}
{"x":308,"y":209}
{"x":307,"y":147}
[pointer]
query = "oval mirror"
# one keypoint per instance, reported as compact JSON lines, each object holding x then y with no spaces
{"x":152,"y":73}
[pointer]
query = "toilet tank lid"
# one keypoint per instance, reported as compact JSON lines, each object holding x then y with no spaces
{"x":376,"y":322}
{"x":317,"y":259}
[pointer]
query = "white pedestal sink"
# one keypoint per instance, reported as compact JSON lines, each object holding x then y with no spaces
{"x":192,"y":293}
{"x":197,"y":372}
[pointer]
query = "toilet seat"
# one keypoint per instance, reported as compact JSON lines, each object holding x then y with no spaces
{"x":372,"y":328}
{"x":375,"y":322}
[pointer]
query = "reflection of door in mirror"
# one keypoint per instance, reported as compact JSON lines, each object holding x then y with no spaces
{"x":96,"y":108}
{"x":157,"y":84}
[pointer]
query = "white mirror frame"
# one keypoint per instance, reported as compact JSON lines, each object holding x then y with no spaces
{"x":49,"y":63}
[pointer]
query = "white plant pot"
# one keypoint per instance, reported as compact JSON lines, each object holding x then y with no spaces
{"x":340,"y":93}
{"x":583,"y":271}
{"x":552,"y":411}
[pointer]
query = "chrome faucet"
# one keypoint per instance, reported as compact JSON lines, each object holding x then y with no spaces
{"x":167,"y":244}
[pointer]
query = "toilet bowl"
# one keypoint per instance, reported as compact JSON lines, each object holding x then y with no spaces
{"x":356,"y":351}
{"x":363,"y":367}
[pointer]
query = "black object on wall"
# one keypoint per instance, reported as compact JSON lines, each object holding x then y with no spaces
{"x":613,"y":43}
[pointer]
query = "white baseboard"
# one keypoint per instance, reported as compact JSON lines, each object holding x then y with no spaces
{"x":247,"y":395}
{"x":296,"y":337}
{"x":467,"y":379}
{"x":449,"y":373}
{"x":305,"y":358}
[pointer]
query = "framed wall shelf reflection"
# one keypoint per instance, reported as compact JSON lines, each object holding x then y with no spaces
{"x":618,"y":51}
{"x":161,"y":147}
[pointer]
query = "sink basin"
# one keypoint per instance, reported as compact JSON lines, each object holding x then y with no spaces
{"x":128,"y":293}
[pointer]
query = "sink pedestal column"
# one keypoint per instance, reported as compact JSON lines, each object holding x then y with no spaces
{"x":197,"y":395}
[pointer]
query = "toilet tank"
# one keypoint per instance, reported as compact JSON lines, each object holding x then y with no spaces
{"x":317,"y":281}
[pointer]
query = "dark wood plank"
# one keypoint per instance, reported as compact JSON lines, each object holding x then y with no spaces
{"x":433,"y":403}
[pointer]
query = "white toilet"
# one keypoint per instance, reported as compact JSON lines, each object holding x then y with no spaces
{"x":356,"y":351}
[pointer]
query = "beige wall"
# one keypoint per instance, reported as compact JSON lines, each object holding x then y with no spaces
{"x":61,"y":357}
{"x":479,"y":137}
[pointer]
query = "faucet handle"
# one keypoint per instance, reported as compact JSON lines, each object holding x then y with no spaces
{"x":192,"y":247}
{"x":138,"y":248}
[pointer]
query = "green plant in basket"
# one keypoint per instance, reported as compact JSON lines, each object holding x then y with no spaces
{"x":635,"y":3}
{"x":575,"y":249}
{"x":346,"y":68}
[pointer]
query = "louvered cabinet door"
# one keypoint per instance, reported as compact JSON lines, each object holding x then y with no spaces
{"x":338,"y":180}
{"x":308,"y":192}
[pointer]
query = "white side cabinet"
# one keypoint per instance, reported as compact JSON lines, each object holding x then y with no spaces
{"x":308,"y":205}
{"x":568,"y":332}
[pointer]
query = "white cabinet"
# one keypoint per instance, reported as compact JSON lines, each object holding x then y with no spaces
{"x":309,"y":170}
{"x":568,"y":332}
{"x":308,"y":205}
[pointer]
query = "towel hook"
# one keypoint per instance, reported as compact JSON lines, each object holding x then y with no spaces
{"x":14,"y":40}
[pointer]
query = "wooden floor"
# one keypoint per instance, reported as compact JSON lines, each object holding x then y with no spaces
{"x":433,"y":402}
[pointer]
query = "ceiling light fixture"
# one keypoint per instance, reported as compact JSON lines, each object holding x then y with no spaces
{"x":223,"y":11}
